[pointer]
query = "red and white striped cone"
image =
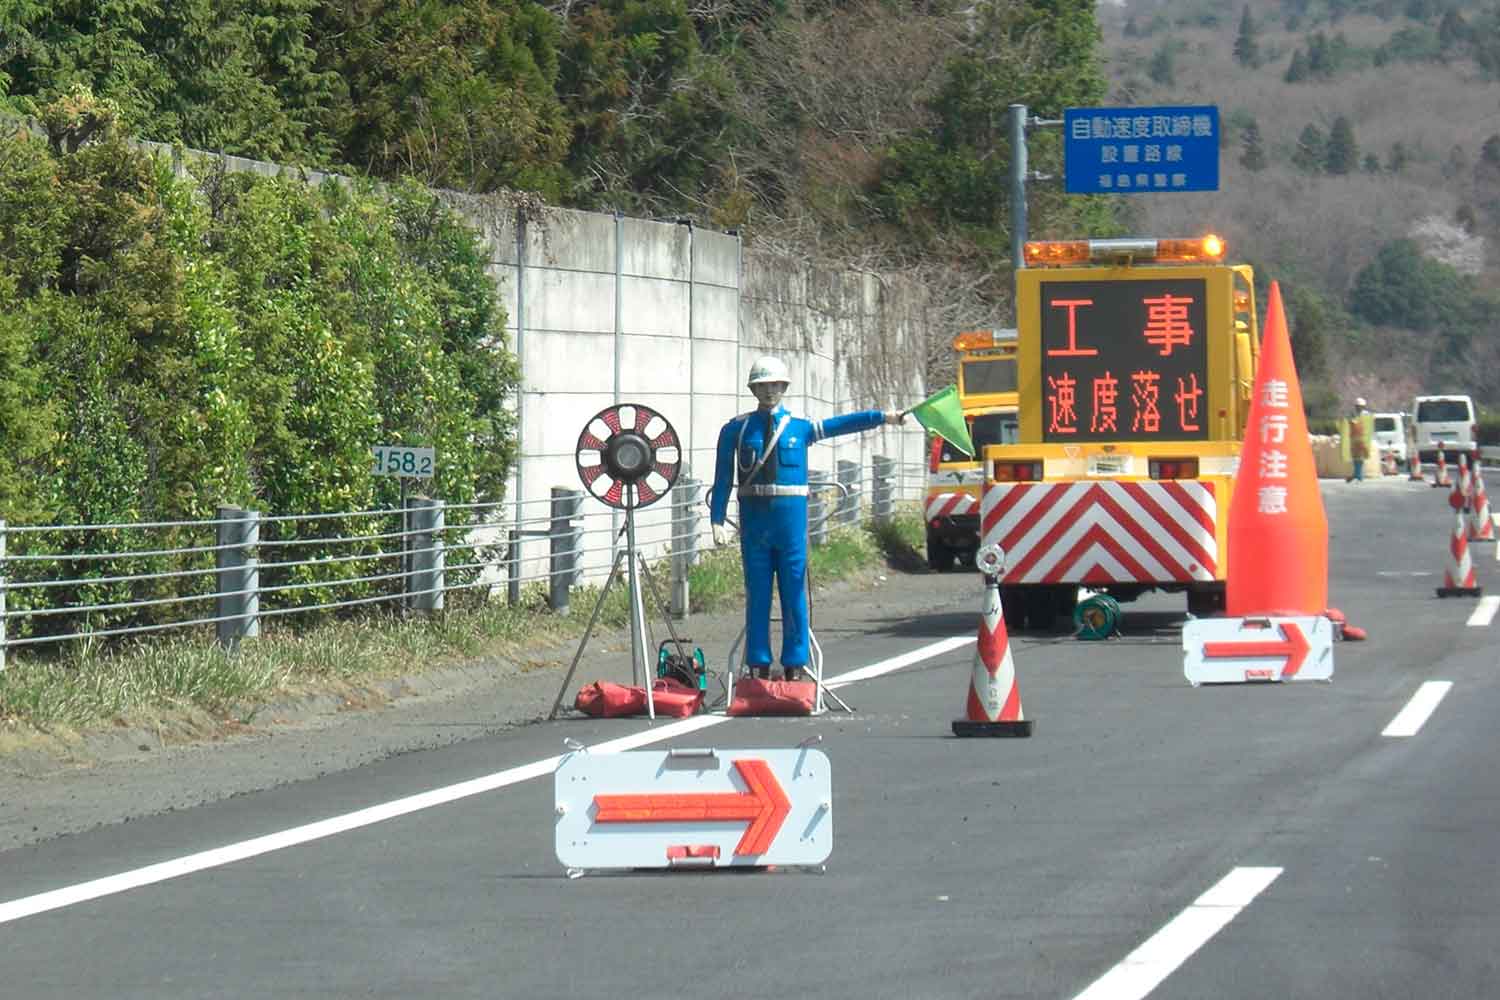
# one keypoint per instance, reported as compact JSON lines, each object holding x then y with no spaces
{"x":1416,"y":467}
{"x":994,"y":704}
{"x":1481,"y":524}
{"x":1388,"y":463}
{"x":1465,"y":482}
{"x":1458,"y":578}
{"x":1441,"y":479}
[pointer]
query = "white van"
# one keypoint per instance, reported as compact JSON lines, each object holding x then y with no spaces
{"x":1444,"y":422}
{"x":1390,"y":435}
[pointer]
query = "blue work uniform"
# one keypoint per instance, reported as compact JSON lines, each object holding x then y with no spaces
{"x":773,"y":517}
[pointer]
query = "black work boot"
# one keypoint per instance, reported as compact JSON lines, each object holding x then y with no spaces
{"x":793,"y":673}
{"x":761,"y":673}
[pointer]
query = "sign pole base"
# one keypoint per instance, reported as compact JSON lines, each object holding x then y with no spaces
{"x":967,"y":727}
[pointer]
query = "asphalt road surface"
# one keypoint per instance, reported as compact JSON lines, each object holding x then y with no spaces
{"x":1150,"y":839}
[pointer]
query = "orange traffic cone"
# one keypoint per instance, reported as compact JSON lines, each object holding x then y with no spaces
{"x":1388,"y":463}
{"x":1465,"y":485}
{"x":1441,"y":479}
{"x":1416,"y":467}
{"x":994,"y":705}
{"x":1278,"y":531}
{"x":1481,"y":524}
{"x":1458,"y":578}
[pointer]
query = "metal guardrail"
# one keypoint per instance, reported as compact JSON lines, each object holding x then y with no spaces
{"x":60,"y":583}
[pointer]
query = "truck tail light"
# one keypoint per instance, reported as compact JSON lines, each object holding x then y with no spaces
{"x":1174,"y":468}
{"x":934,"y":454}
{"x":1017,"y":472}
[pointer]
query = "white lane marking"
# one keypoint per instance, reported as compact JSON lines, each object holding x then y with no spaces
{"x":1485,"y":612}
{"x":228,"y":854}
{"x":1409,"y":721}
{"x":1144,"y":969}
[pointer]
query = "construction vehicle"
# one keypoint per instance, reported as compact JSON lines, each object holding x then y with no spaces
{"x":1135,"y":368}
{"x":987,"y":394}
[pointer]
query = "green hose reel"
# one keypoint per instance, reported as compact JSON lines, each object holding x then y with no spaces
{"x":1097,"y":617}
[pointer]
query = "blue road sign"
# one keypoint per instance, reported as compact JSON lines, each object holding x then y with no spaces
{"x":1141,"y":150}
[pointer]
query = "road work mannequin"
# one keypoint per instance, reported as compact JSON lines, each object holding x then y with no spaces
{"x":766,"y":451}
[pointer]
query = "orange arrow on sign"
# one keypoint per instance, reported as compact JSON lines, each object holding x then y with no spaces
{"x":1294,"y":646}
{"x":765,"y":805}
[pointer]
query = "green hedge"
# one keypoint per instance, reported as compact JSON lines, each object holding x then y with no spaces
{"x":170,"y":344}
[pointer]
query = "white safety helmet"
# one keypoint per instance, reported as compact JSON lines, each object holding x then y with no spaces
{"x":768,"y":369}
{"x":1360,"y":401}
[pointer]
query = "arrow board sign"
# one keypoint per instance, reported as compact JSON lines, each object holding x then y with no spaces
{"x":1244,"y":650}
{"x":694,"y":808}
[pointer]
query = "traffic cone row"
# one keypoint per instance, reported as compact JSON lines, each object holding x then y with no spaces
{"x":994,"y":705}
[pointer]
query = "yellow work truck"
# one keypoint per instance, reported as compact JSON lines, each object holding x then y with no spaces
{"x":987,"y":393}
{"x":1135,"y":364}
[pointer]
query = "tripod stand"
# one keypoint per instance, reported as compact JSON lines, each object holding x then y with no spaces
{"x":638,"y":568}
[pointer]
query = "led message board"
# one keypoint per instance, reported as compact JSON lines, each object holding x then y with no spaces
{"x":1124,"y":360}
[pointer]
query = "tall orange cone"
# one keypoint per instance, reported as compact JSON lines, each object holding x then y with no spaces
{"x":1458,"y":577}
{"x":1464,"y":484}
{"x":1481,"y":524}
{"x":1441,"y":479}
{"x":1278,"y":531}
{"x":994,"y":704}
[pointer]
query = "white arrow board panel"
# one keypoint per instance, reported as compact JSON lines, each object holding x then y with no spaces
{"x":1246,"y":650}
{"x":694,"y":808}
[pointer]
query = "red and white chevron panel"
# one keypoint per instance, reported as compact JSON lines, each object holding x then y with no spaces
{"x":1103,"y":532}
{"x":949,"y":504}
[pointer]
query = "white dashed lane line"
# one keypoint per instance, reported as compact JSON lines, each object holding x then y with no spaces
{"x":1409,"y":721}
{"x":1144,"y":969}
{"x":1485,"y":612}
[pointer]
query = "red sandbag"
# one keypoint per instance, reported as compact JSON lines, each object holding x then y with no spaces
{"x":753,"y":696}
{"x":607,"y":700}
{"x":674,"y":698}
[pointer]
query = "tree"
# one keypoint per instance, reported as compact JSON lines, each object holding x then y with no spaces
{"x":1163,"y":71}
{"x":1252,"y":148}
{"x":1453,"y":30}
{"x":1296,"y":71}
{"x":1371,"y":164}
{"x":1489,"y":153}
{"x":1397,"y":159}
{"x":1246,"y":45}
{"x":1342,"y":153}
{"x":1312,"y":150}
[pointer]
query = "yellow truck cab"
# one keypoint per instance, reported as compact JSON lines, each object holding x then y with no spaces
{"x":987,"y":394}
{"x":1135,"y":366}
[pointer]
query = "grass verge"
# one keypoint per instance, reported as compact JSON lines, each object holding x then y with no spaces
{"x":88,"y":684}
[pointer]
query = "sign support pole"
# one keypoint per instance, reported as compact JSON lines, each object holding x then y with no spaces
{"x":1018,"y":186}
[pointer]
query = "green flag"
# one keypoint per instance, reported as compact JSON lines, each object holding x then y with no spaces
{"x":942,"y":414}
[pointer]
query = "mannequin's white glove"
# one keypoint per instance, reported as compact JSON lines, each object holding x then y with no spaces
{"x":721,"y":534}
{"x":895,"y":417}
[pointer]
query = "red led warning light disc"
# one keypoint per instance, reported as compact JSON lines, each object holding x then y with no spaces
{"x":628,"y":456}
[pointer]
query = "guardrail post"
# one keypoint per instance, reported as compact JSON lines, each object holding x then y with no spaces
{"x":564,"y":537}
{"x":817,"y":506}
{"x":2,"y":594}
{"x":424,"y":584}
{"x":238,"y":576}
{"x":881,"y":506}
{"x":513,"y":569}
{"x":848,"y":509}
{"x":684,"y":541}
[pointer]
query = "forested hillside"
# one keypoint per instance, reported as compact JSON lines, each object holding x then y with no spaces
{"x":862,"y":132}
{"x":1361,"y":162}
{"x":1361,"y":167}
